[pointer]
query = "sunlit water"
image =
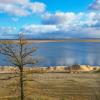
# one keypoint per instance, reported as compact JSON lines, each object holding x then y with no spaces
{"x":65,"y":53}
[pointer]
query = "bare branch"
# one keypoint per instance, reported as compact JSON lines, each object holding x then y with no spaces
{"x":8,"y":78}
{"x":19,"y":54}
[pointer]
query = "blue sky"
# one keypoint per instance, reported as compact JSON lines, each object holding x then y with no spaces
{"x":50,"y":18}
{"x":66,"y":5}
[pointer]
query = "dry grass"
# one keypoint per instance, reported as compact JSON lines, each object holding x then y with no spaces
{"x":53,"y":86}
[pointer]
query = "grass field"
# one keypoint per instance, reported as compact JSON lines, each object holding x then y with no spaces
{"x":52,"y":86}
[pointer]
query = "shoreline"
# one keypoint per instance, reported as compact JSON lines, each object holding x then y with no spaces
{"x":51,"y":40}
{"x":37,"y":69}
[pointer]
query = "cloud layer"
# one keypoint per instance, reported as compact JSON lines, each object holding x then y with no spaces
{"x":7,"y":32}
{"x":66,"y":25}
{"x":53,"y":25}
{"x":71,"y":19}
{"x":39,"y":29}
{"x":21,"y":7}
{"x":95,"y":5}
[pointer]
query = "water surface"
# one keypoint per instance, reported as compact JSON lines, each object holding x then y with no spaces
{"x":66,"y":53}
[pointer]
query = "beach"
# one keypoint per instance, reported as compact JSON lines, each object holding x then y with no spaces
{"x":66,"y":69}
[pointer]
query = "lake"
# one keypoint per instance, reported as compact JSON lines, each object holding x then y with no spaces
{"x":65,"y":53}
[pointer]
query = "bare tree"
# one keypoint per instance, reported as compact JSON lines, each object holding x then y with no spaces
{"x":19,"y":54}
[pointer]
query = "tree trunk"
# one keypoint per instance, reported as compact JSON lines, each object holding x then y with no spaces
{"x":21,"y":86}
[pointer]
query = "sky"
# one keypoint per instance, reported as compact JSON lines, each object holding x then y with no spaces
{"x":50,"y":18}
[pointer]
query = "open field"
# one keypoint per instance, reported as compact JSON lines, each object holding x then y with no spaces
{"x":52,"y":86}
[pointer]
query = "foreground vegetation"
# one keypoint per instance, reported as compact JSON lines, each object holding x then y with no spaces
{"x":52,"y":86}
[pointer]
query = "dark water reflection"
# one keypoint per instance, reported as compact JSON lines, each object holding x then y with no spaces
{"x":66,"y":53}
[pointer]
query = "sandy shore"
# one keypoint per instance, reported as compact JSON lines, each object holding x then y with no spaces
{"x":52,"y":40}
{"x":71,"y":69}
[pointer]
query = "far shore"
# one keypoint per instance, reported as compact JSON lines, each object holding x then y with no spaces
{"x":52,"y":40}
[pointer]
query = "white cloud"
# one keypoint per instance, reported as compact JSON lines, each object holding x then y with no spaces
{"x":59,"y":18}
{"x":13,"y":10}
{"x":75,"y":24}
{"x":39,"y":29}
{"x":7,"y":32}
{"x":58,"y":24}
{"x":71,"y":19}
{"x":61,"y":31}
{"x":14,"y":1}
{"x":51,"y":31}
{"x":95,"y":5}
{"x":65,"y":25}
{"x":37,"y":7}
{"x":7,"y":29}
{"x":21,"y":7}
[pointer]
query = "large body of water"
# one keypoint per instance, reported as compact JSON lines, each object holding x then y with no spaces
{"x":66,"y":53}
